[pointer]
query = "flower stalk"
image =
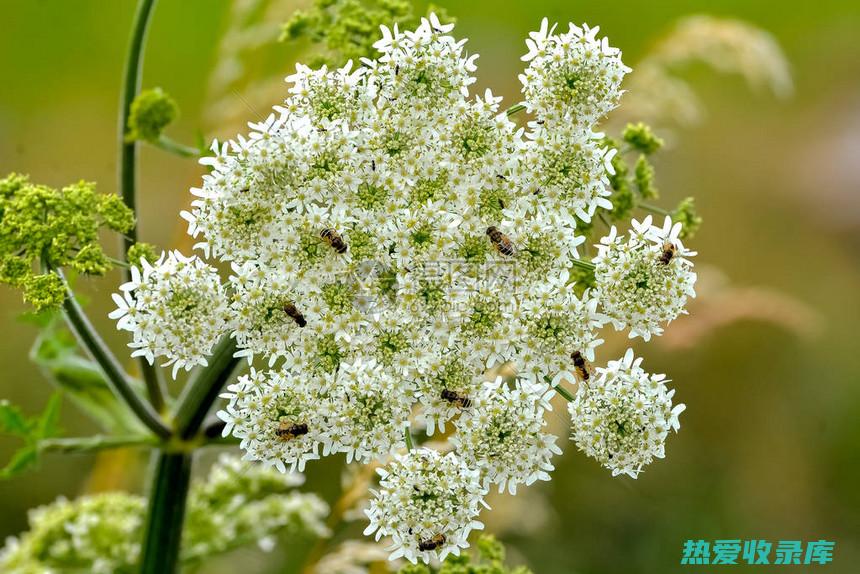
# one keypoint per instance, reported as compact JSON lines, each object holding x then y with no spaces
{"x":114,"y":374}
{"x":203,"y":389}
{"x":127,"y":168}
{"x":167,"y":498}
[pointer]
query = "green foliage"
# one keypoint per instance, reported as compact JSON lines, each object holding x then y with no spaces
{"x":151,"y":111}
{"x":31,"y":430}
{"x":81,"y":380}
{"x":140,"y":251}
{"x":43,"y":226}
{"x":346,"y":29}
{"x":690,"y":220}
{"x":641,"y":138}
{"x":488,"y":557}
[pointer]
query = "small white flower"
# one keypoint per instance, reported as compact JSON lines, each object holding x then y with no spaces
{"x":644,"y":281}
{"x":176,"y":308}
{"x":280,"y":420}
{"x":503,"y":435}
{"x":369,"y":412}
{"x":622,"y":416}
{"x":427,"y":504}
{"x":571,"y":77}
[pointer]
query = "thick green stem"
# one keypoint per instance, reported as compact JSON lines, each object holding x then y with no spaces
{"x":114,"y":374}
{"x":201,"y":391}
{"x":127,"y":167}
{"x":96,"y":443}
{"x":167,"y":498}
{"x":130,"y":89}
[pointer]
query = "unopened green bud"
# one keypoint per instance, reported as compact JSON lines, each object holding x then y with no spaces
{"x":641,"y":138}
{"x":45,"y":291}
{"x":91,"y":260}
{"x":115,"y":213}
{"x":143,"y":251}
{"x":644,"y":176}
{"x":12,"y":183}
{"x":686,"y":214}
{"x":14,"y":270}
{"x":151,"y":112}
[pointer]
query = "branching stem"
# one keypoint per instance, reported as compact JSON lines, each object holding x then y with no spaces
{"x":113,"y":371}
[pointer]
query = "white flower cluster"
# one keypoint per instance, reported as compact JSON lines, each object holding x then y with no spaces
{"x":176,"y":308}
{"x":645,"y":281}
{"x":623,"y":415}
{"x":389,"y":238}
{"x":504,"y":436}
{"x":238,"y":503}
{"x":573,"y":77}
{"x":427,"y":504}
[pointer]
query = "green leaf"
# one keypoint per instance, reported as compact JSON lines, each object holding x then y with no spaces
{"x":55,"y":353}
{"x":24,"y":459}
{"x":32,"y":430}
{"x":12,"y":420}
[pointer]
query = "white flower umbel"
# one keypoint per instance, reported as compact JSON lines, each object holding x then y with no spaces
{"x":503,"y":435}
{"x":427,"y":504}
{"x":281,"y":420}
{"x":369,"y":411}
{"x":573,"y":77}
{"x":175,"y":308}
{"x":555,"y":324}
{"x":448,"y":387}
{"x":622,"y":416}
{"x":644,"y":281}
{"x":271,"y":315}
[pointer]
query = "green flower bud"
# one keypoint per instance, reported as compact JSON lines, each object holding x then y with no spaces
{"x":151,"y":112}
{"x":12,"y":183}
{"x":14,"y":270}
{"x":644,"y":176}
{"x":686,"y":214}
{"x":140,"y":251}
{"x":641,"y":138}
{"x":45,"y":291}
{"x":91,"y":260}
{"x":115,"y":213}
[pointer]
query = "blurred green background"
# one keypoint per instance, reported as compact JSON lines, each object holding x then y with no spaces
{"x":767,"y":365}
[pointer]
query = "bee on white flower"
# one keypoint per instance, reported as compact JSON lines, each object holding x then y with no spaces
{"x":635,"y":286}
{"x":427,"y":504}
{"x":503,"y":435}
{"x":623,"y":415}
{"x":280,"y":419}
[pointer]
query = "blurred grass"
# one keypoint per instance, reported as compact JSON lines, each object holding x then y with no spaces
{"x":770,"y":445}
